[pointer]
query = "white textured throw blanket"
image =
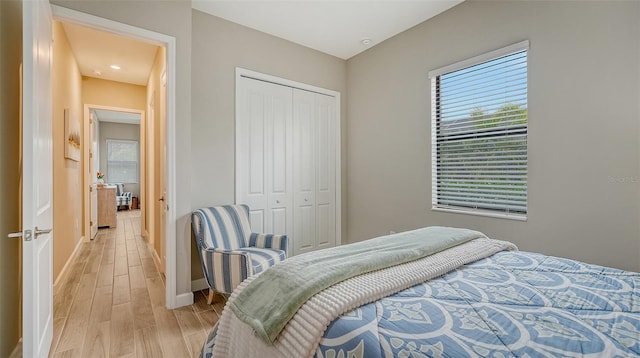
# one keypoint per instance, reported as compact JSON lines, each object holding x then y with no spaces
{"x":302,"y":335}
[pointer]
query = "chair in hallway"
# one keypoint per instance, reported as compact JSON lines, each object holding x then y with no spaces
{"x":123,"y":198}
{"x":229,"y":251}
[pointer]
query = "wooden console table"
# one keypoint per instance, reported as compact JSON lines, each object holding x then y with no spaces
{"x":107,"y":206}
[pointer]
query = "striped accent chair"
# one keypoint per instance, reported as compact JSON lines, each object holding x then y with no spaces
{"x":123,"y":198}
{"x":229,"y":251}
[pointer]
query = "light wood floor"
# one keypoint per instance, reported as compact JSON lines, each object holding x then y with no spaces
{"x":112,"y":302}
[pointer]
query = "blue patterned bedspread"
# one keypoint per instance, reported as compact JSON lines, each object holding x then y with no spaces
{"x":512,"y":304}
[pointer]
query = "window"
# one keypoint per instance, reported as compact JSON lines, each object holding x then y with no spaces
{"x":479,"y":134}
{"x":122,"y":161}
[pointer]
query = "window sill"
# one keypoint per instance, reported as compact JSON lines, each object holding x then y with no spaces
{"x":487,"y":213}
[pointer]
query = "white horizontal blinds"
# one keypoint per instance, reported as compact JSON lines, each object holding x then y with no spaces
{"x":122,"y":161}
{"x":480,"y":145}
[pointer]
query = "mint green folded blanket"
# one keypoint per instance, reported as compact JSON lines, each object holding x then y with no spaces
{"x":273,"y":298}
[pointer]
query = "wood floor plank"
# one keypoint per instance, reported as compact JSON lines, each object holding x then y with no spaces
{"x":143,"y":249}
{"x":218,"y":306}
{"x":75,"y":328}
{"x":147,"y":343}
{"x":208,"y":319}
{"x":71,"y":353}
{"x":188,"y":320}
{"x":156,"y":291}
{"x":120,"y":266}
{"x":121,"y":291}
{"x":136,"y":277}
{"x":149,"y":267}
{"x":108,"y":255}
{"x":142,"y":309}
{"x":93,"y":263}
{"x":173,"y":344}
{"x":87,"y":286}
{"x":102,"y":305}
{"x":63,"y":300}
{"x":195,"y":342}
{"x":121,"y":342}
{"x":97,"y":340}
{"x":133,"y":258}
{"x":105,"y":275}
{"x":200,"y":301}
{"x":58,"y":326}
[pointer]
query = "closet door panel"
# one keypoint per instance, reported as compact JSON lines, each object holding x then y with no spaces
{"x":264,"y":179}
{"x":304,"y":174}
{"x":250,"y":164}
{"x":279,"y":158}
{"x":325,"y":171}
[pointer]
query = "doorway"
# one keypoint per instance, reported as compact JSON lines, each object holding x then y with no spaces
{"x":114,"y":144}
{"x":168,"y":43}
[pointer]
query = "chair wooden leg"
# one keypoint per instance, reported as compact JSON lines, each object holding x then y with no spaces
{"x":210,"y":298}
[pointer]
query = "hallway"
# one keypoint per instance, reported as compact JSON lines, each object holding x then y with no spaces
{"x":112,"y":302}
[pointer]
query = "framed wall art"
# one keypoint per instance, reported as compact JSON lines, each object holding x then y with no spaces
{"x":71,"y":137}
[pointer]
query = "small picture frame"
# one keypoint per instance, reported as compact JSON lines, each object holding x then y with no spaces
{"x":71,"y":137}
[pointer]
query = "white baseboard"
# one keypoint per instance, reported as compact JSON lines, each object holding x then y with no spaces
{"x":156,"y":258}
{"x":67,"y":265}
{"x":184,"y":299}
{"x":199,"y":284}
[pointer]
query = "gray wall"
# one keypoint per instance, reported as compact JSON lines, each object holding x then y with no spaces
{"x":584,"y":175}
{"x":121,"y":131}
{"x":219,"y":46}
{"x":10,"y":59}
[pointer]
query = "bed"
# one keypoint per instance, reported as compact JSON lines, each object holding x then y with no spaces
{"x":479,"y":298}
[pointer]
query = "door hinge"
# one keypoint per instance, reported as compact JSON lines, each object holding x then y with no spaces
{"x":91,"y":223}
{"x":91,"y":189}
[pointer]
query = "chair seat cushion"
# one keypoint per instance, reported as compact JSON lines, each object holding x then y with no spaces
{"x":262,"y":259}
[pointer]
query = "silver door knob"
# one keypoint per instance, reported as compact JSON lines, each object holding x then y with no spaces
{"x":26,"y":235}
{"x":37,"y":232}
{"x":277,"y":201}
{"x":305,"y":199}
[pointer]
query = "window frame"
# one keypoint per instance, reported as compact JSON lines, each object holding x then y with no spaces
{"x":109,"y":162}
{"x":434,"y":76}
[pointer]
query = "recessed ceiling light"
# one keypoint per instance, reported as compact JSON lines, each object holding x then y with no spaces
{"x":366,"y":41}
{"x":115,"y":67}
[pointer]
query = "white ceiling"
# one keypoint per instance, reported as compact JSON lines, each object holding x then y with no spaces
{"x":333,"y":27}
{"x":96,"y":50}
{"x":104,"y":115}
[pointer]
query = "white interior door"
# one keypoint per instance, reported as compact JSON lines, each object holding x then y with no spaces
{"x":37,"y":179}
{"x":264,"y":157}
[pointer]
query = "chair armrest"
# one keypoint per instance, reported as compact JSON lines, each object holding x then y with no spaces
{"x":224,"y":269}
{"x":269,"y":241}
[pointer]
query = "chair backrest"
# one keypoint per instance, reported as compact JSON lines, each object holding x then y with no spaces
{"x":224,"y":227}
{"x":119,"y":188}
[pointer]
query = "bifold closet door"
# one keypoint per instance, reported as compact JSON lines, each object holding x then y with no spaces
{"x":264,"y":150}
{"x":314,"y":176}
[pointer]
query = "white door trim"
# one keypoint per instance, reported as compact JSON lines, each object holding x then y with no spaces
{"x":243,"y":72}
{"x":173,"y":300}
